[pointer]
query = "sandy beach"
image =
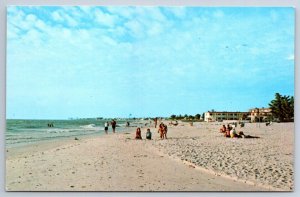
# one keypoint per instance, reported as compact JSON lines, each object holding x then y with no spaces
{"x":193,"y":158}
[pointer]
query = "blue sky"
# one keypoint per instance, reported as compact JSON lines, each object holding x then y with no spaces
{"x":146,"y":61}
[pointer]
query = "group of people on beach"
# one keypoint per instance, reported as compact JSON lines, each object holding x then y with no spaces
{"x":113,"y":126}
{"x":162,"y":130}
{"x":138,"y":134}
{"x":230,"y":132}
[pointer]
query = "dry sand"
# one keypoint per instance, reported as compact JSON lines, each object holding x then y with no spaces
{"x":194,"y":158}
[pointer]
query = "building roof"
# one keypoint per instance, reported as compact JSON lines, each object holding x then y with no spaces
{"x":225,"y":112}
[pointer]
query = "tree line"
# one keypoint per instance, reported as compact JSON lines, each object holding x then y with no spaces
{"x":186,"y":117}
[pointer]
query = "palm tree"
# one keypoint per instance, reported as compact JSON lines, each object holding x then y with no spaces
{"x":282,"y":107}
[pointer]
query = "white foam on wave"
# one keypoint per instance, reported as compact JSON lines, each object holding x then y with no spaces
{"x":89,"y":126}
{"x":60,"y":130}
{"x":92,"y":127}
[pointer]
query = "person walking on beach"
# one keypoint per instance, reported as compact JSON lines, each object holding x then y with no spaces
{"x":155,"y":122}
{"x":106,"y":127}
{"x":113,"y":125}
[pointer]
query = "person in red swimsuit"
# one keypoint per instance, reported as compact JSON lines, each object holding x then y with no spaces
{"x":161,"y":130}
{"x":138,"y":134}
{"x":223,"y":129}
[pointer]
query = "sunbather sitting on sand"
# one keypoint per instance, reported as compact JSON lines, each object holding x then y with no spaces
{"x":148,"y":134}
{"x":138,"y":134}
{"x":229,"y":127}
{"x":227,"y":132}
{"x":175,"y":124}
{"x":223,"y":129}
{"x":233,"y":132}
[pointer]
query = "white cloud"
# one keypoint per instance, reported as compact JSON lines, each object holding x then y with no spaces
{"x":108,"y":40}
{"x":12,"y":31}
{"x":31,"y":18}
{"x":33,"y":37}
{"x":156,"y":14}
{"x":124,"y":12}
{"x":179,"y":12}
{"x":73,"y":11}
{"x":62,"y":16}
{"x":155,"y":29}
{"x":71,"y":21}
{"x":135,"y":28}
{"x":66,"y":33}
{"x":56,"y":16}
{"x":105,"y":18}
{"x":41,"y":25}
{"x":86,"y":9}
{"x":21,"y":21}
{"x":13,"y":10}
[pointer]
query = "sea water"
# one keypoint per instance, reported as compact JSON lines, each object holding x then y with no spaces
{"x":23,"y":132}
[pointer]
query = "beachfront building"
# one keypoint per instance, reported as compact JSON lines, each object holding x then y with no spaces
{"x":212,"y":116}
{"x":260,"y":114}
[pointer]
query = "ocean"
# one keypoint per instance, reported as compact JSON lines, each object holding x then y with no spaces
{"x":23,"y":132}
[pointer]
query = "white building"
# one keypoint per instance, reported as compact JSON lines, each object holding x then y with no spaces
{"x":260,"y":114}
{"x":212,"y":116}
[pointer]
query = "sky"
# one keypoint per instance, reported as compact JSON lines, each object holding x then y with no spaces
{"x":85,"y":61}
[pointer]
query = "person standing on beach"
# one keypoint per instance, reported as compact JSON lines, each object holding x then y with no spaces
{"x":161,"y":130}
{"x":106,"y":127}
{"x":155,"y":122}
{"x":165,"y":130}
{"x":113,"y":125}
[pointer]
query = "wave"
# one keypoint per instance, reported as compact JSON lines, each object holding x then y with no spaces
{"x":61,"y":130}
{"x":20,"y":138}
{"x":89,"y":126}
{"x":26,"y":135}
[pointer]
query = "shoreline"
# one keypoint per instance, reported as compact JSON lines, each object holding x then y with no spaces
{"x":62,"y":139}
{"x":112,"y":145}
